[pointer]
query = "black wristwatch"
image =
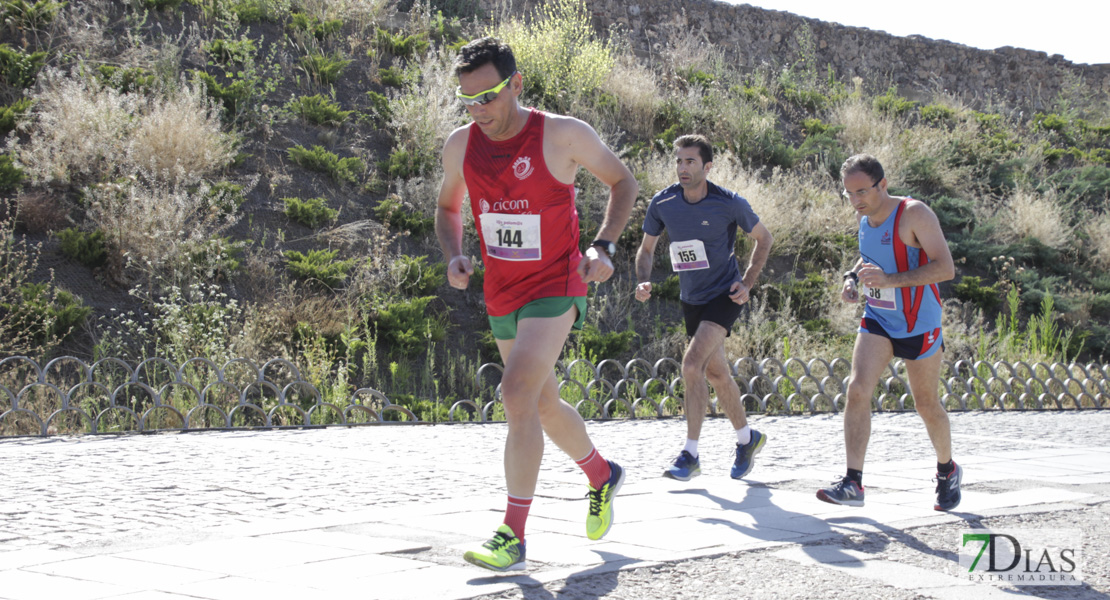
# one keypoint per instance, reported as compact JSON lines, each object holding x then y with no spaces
{"x":609,"y":247}
{"x":850,"y":274}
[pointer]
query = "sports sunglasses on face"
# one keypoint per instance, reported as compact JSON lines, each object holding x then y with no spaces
{"x":483,"y":97}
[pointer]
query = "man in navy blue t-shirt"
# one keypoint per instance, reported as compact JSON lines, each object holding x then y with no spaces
{"x":701,"y":219}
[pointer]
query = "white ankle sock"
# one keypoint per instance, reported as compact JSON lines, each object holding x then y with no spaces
{"x":744,"y":435}
{"x":692,"y":447}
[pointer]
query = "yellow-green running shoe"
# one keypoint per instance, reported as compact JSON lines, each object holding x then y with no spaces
{"x":503,"y":552}
{"x":600,"y":517}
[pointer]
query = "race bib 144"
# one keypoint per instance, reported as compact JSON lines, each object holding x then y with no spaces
{"x":512,"y":237}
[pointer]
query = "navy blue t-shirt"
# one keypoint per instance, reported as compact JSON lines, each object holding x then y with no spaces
{"x":703,"y":238}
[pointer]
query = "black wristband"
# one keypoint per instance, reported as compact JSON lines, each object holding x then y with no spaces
{"x":850,"y":274}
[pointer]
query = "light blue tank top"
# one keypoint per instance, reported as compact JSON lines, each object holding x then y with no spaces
{"x":902,"y":312}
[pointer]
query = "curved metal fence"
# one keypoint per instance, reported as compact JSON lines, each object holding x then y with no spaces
{"x":70,"y":396}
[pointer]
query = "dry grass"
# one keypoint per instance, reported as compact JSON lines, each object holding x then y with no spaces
{"x":767,"y":334}
{"x":866,"y":130}
{"x":638,"y":96}
{"x":179,"y":138}
{"x":77,"y":129}
{"x":81,"y":130}
{"x":40,"y":212}
{"x":155,"y":226}
{"x":1098,"y":230}
{"x":1029,"y":213}
{"x":426,"y":112}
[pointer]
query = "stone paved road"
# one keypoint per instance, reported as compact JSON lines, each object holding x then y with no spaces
{"x":384,"y":511}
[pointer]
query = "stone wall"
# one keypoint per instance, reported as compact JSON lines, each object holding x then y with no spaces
{"x":917,"y":65}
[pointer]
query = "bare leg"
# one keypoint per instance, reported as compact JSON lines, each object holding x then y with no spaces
{"x":529,"y":361}
{"x":924,"y":376}
{"x":871,"y":355}
{"x":728,"y":393}
{"x":703,"y":347}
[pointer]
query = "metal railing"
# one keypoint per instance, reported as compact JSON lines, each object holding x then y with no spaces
{"x":70,"y":396}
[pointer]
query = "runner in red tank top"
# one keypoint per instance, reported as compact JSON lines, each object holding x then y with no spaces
{"x":518,"y":166}
{"x":509,"y":184}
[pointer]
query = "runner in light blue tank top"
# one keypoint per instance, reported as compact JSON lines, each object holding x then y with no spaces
{"x":902,"y":259}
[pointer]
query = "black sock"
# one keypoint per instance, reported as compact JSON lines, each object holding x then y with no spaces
{"x":946,"y":468}
{"x":856,"y":476}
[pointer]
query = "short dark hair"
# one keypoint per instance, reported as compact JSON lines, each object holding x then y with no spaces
{"x":485,"y":51}
{"x":691,"y":140}
{"x":863,"y":163}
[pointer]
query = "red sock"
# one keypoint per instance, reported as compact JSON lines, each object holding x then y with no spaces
{"x":516,"y":513}
{"x":596,"y":468}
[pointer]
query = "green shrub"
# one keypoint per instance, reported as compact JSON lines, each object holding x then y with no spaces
{"x":162,"y":4}
{"x":695,"y":76}
{"x":892,"y":104}
{"x":134,"y":79}
{"x":955,"y":214}
{"x":86,"y":248}
{"x":392,"y":76}
{"x":319,"y":159}
{"x":668,"y":289}
{"x":232,"y":96}
{"x":218,"y":257}
{"x":805,"y":296}
{"x":400,"y":45}
{"x":987,"y":298}
{"x":313,"y":26}
{"x":403,"y":164}
{"x":319,"y":266}
{"x":1086,"y":186}
{"x":23,"y":15}
{"x":379,"y":106}
{"x":230,"y":52}
{"x":19,"y":69}
{"x":560,"y":53}
{"x":937,"y":114}
{"x":226,"y":196}
{"x":414,"y":277}
{"x":597,"y":346}
{"x":394,"y":214}
{"x":11,"y":114}
{"x":446,"y":29}
{"x":45,"y":314}
{"x":318,"y":109}
{"x":247,"y":11}
{"x":244,"y":85}
{"x":11,"y":176}
{"x":810,"y":100}
{"x":312,"y":212}
{"x":407,"y":326}
{"x":428,"y":411}
{"x":324,"y":69}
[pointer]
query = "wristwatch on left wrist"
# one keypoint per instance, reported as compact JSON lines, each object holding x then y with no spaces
{"x":608,"y":247}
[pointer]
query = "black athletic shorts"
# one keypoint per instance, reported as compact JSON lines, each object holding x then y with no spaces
{"x":720,"y":310}
{"x":910,"y":348}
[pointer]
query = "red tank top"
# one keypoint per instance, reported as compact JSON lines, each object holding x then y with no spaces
{"x":527,"y":221}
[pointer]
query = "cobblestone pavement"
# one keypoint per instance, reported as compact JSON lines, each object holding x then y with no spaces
{"x":385,"y":511}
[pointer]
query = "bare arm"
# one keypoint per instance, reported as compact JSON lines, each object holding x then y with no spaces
{"x":583,"y":147}
{"x":739,"y":291}
{"x":644,"y":257}
{"x":588,"y":150}
{"x":449,"y":227}
{"x":763,"y":240}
